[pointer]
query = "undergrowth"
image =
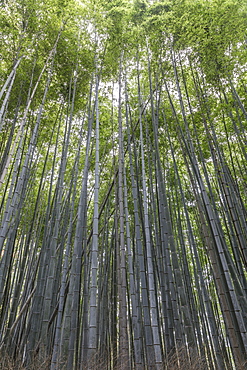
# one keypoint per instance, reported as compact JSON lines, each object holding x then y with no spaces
{"x":179,"y":360}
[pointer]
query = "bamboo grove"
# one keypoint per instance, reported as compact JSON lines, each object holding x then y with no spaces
{"x":123,"y":198}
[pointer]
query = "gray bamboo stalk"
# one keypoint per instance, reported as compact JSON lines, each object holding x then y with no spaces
{"x":150,"y":274}
{"x":93,"y":303}
{"x":10,"y":81}
{"x":134,"y":291}
{"x":123,"y":334}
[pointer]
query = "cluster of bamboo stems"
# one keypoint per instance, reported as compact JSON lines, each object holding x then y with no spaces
{"x":123,"y":230}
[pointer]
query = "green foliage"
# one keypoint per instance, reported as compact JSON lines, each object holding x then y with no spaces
{"x":213,"y":29}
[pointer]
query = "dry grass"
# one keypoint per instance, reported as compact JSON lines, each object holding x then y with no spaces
{"x":176,"y":361}
{"x":7,"y":363}
{"x":180,"y":360}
